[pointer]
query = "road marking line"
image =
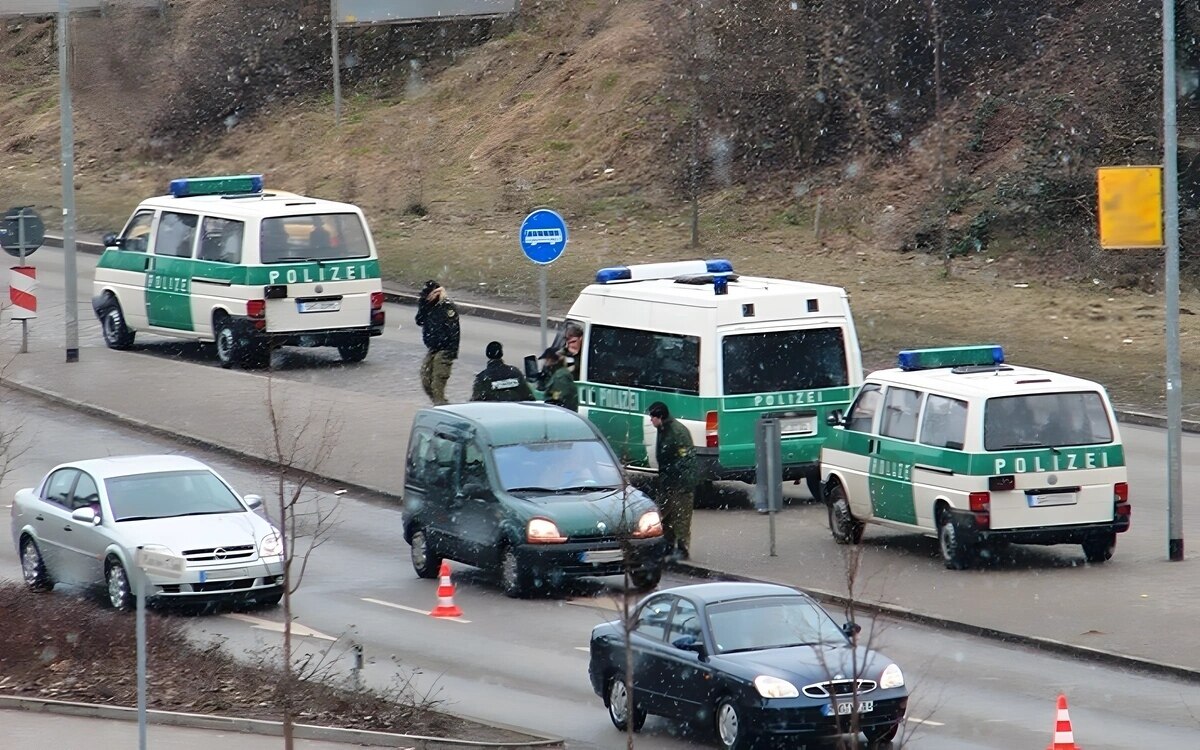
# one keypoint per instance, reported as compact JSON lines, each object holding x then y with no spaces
{"x":277,"y":627}
{"x":412,"y":609}
{"x":926,"y":722}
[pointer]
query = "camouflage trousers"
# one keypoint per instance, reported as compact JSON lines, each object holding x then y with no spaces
{"x":435,"y":371}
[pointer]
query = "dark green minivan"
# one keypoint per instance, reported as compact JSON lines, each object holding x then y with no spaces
{"x":530,"y":490}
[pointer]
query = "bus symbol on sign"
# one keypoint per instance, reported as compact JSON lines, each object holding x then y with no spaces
{"x":543,"y":236}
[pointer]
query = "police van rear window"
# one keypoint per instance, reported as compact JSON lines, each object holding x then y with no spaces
{"x":1046,"y":420}
{"x":293,"y":239}
{"x":784,"y":361}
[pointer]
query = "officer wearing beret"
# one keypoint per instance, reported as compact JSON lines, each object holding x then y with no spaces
{"x":559,"y":385}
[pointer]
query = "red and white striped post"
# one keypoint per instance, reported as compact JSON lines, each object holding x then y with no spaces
{"x":22,"y":293}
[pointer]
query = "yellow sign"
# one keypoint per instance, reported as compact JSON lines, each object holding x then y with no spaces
{"x":1131,"y":213}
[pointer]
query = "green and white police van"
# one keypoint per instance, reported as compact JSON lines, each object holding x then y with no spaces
{"x":722,"y":351}
{"x":956,"y":443}
{"x":221,"y":260}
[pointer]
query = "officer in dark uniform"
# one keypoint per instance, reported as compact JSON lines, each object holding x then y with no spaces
{"x":559,"y":385}
{"x":499,"y":381}
{"x":678,"y":475}
{"x":438,"y":318}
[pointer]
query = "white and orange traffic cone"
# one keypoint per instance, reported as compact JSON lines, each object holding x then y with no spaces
{"x":445,"y":606}
{"x":1064,"y":738}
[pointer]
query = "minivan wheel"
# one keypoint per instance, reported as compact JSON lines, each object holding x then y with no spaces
{"x":620,"y":705}
{"x":120,"y":595}
{"x":845,"y":527}
{"x":513,"y":580}
{"x":1100,"y":549}
{"x":112,"y":326}
{"x":645,"y":579}
{"x":33,"y":567}
{"x":955,"y":554}
{"x":424,"y":561}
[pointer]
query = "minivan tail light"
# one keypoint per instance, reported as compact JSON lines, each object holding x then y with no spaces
{"x":376,"y":300}
{"x":256,"y":308}
{"x":711,"y":439}
{"x":981,"y":505}
{"x":1121,"y":492}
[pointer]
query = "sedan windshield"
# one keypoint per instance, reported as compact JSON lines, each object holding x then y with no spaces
{"x":169,"y":493}
{"x":771,"y":622}
{"x":565,"y":467}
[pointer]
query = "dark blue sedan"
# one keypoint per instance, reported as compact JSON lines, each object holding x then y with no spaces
{"x":750,"y":660}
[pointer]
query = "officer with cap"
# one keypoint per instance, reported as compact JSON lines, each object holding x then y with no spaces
{"x":678,"y":474}
{"x":499,"y":381}
{"x":560,"y":386}
{"x":438,"y":318}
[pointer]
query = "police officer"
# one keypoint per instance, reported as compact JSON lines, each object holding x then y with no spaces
{"x":559,"y":385}
{"x":572,"y":346}
{"x":438,"y":318}
{"x":499,"y":381}
{"x":678,"y":475}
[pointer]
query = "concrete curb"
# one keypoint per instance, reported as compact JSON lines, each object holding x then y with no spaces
{"x":1148,"y":666}
{"x":264,"y":727}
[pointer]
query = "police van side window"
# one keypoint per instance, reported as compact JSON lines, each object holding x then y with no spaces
{"x":136,"y":237}
{"x":221,"y":240}
{"x":644,"y":359}
{"x":861,"y":415}
{"x":176,"y":234}
{"x":900,"y":411}
{"x":945,"y":422}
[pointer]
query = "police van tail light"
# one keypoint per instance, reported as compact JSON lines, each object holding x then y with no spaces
{"x":377,"y":308}
{"x":1121,"y":509}
{"x":981,"y":506}
{"x":711,"y":439}
{"x":256,"y":310}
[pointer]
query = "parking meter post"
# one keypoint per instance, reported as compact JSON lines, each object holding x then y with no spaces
{"x":141,"y":657}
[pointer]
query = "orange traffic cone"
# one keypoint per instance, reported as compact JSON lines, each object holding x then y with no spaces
{"x":446,"y":606}
{"x":1064,"y":738}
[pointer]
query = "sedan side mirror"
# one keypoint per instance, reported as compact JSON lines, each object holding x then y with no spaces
{"x":851,"y":629}
{"x":835,"y":418}
{"x":690,"y":643}
{"x":87,"y":514}
{"x":253,"y":501}
{"x":532,"y":371}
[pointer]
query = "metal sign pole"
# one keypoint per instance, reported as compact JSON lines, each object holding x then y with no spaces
{"x":337,"y":69}
{"x":21,"y":245}
{"x":67,"y":142}
{"x":141,"y":660}
{"x":1171,"y":235}
{"x":542,"y":293}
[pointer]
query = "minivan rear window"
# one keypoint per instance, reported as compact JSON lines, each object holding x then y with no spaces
{"x":1045,"y":420}
{"x":291,"y":239}
{"x":784,"y":361}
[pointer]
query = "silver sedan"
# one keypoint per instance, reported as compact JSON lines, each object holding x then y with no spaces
{"x":85,"y":522}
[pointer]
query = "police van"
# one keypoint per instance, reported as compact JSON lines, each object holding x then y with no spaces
{"x":722,"y":351}
{"x":221,"y":260}
{"x":956,"y":443}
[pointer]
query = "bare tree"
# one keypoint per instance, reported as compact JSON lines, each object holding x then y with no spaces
{"x":297,"y":450}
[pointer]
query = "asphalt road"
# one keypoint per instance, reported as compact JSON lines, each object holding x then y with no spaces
{"x":524,"y":662}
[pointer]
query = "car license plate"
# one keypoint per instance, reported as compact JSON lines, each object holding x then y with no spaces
{"x":320,"y":305}
{"x":845,"y":708}
{"x":223,"y":574}
{"x":798,"y":426}
{"x":598,"y":556}
{"x":1052,"y":498}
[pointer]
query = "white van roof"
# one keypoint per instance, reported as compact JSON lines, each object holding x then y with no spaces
{"x":772,"y":299}
{"x":254,"y":206}
{"x":1000,"y":380}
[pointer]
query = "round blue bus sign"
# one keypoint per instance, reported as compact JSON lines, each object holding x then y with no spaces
{"x":543,"y":236}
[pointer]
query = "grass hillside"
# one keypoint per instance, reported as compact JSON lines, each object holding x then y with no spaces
{"x":818,"y":144}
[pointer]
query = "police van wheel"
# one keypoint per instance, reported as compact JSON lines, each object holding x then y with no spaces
{"x":955,"y":554}
{"x":112,"y":326}
{"x":1100,"y":549}
{"x":227,"y":345}
{"x":356,"y":350}
{"x":845,"y":527}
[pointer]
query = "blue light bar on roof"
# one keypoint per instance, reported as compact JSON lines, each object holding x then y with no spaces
{"x":951,"y":356}
{"x":648,"y":271}
{"x":242,"y":184}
